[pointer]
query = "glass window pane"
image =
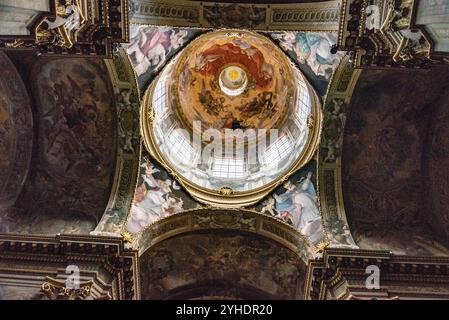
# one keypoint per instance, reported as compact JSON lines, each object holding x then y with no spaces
{"x":228,"y":168}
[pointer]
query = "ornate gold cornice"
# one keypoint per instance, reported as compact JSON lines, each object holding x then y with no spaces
{"x":313,"y":16}
{"x":105,"y":266}
{"x":53,"y":289}
{"x":397,"y":41}
{"x":238,"y":220}
{"x":341,"y":274}
{"x":77,"y":27}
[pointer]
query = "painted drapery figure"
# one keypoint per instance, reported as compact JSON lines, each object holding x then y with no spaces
{"x":151,"y":47}
{"x":156,"y":196}
{"x":312,"y":52}
{"x":296,"y":203}
{"x":299,"y":204}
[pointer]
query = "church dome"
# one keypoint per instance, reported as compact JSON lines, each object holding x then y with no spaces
{"x":230,"y":116}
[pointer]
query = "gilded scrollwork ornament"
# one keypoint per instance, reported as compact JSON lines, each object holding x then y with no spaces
{"x":74,"y":27}
{"x":386,"y":35}
{"x":53,"y":289}
{"x":316,"y":16}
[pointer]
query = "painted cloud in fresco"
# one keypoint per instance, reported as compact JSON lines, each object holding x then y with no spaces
{"x":151,"y":47}
{"x":311,"y":51}
{"x":296,"y":203}
{"x":157,"y":196}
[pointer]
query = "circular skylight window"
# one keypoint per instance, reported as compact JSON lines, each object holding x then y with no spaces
{"x":233,"y":80}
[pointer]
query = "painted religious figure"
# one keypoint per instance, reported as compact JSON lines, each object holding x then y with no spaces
{"x":151,"y":47}
{"x":299,"y":204}
{"x":157,"y":196}
{"x":234,"y":82}
{"x":296,"y":203}
{"x":312,"y":52}
{"x":76,"y":138}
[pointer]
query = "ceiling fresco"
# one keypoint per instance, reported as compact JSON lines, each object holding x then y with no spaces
{"x":209,"y":62}
{"x":436,"y":168}
{"x":16,"y":133}
{"x":296,"y":203}
{"x":225,"y":151}
{"x":385,"y":188}
{"x":221,"y":264}
{"x":264,"y":99}
{"x":157,"y":196}
{"x":70,"y":181}
{"x":204,"y":102}
{"x":311,"y":51}
{"x":150,"y":48}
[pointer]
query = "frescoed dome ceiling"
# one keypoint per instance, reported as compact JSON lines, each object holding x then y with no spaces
{"x":232,"y":81}
{"x":236,"y":80}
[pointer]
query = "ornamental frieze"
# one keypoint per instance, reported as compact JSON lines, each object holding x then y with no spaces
{"x":316,"y":16}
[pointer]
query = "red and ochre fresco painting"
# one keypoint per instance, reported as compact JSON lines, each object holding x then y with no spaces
{"x":265,"y":90}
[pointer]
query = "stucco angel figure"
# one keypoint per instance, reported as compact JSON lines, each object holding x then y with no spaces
{"x":67,"y":24}
{"x":269,"y":206}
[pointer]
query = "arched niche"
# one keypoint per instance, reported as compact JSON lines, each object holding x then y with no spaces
{"x":394,"y":178}
{"x":232,"y":255}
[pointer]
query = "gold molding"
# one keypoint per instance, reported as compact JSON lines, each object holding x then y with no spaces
{"x":330,"y":193}
{"x":105,"y":263}
{"x":313,"y":16}
{"x":127,"y":100}
{"x":102,"y":24}
{"x":210,"y":219}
